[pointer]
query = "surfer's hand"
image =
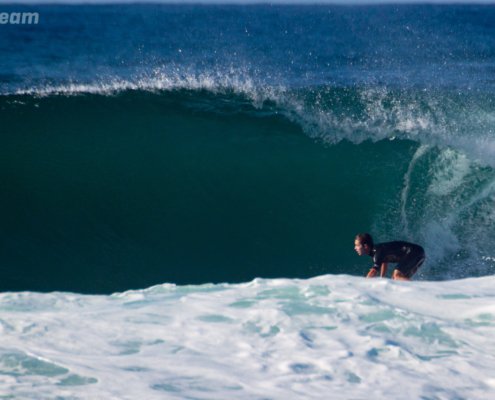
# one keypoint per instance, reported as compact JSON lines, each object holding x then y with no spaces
{"x":373,"y":272}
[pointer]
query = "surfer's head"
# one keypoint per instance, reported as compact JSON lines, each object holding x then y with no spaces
{"x":363,"y":244}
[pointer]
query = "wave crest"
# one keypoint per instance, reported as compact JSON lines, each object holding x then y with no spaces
{"x":462,"y":120}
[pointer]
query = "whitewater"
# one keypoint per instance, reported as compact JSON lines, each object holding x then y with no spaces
{"x":332,"y":336}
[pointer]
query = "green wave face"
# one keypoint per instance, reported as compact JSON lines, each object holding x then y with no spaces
{"x":110,"y":191}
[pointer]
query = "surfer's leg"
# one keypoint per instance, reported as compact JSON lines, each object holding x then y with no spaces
{"x":399,"y":276}
{"x":409,"y":265}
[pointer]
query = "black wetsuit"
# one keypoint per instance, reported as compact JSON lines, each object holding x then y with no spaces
{"x":409,"y":256}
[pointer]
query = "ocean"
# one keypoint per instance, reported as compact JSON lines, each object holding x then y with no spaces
{"x":181,"y":186}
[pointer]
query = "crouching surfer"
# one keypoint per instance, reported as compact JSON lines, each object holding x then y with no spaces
{"x":408,"y":256}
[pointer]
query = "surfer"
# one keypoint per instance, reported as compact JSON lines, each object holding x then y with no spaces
{"x":408,"y":256}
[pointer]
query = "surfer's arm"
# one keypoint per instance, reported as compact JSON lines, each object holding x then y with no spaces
{"x":373,"y":272}
{"x":384,"y":270}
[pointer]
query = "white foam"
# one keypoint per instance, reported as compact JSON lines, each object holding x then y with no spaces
{"x":168,"y":79}
{"x":278,"y":339}
{"x":449,"y":171}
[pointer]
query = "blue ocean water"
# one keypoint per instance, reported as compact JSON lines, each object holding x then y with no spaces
{"x":143,"y":144}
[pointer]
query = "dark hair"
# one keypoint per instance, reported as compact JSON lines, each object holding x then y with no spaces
{"x":365,"y":238}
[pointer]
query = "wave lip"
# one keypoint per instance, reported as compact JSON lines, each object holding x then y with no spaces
{"x":330,"y":113}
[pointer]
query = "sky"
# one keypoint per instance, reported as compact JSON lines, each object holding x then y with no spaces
{"x":251,"y":1}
